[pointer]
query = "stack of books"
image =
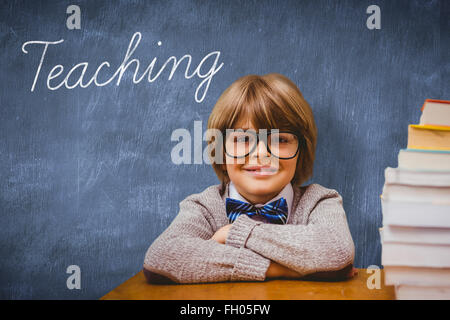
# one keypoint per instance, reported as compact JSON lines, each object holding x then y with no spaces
{"x":415,"y":203}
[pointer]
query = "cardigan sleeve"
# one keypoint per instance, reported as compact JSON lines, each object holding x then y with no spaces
{"x":323,"y":244}
{"x":185,"y":253}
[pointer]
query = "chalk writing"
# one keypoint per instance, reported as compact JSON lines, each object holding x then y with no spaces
{"x":53,"y":83}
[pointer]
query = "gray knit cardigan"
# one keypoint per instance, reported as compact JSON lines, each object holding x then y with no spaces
{"x":315,"y":238}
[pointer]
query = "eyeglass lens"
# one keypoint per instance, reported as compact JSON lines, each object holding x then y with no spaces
{"x":280,"y":144}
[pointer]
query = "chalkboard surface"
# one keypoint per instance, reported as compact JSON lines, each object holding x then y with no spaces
{"x":85,"y":167}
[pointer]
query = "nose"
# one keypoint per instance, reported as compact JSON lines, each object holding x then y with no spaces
{"x":261,"y":150}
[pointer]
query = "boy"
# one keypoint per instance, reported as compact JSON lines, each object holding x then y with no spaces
{"x":259,"y":223}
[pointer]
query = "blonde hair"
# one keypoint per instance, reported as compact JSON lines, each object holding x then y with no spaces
{"x":269,"y":102}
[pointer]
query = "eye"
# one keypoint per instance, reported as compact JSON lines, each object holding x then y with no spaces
{"x":284,"y":138}
{"x":241,"y":139}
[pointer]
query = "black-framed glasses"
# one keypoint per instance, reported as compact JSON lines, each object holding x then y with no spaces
{"x":279,"y":143}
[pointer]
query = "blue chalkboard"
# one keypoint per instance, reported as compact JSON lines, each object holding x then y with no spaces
{"x":86,"y":170}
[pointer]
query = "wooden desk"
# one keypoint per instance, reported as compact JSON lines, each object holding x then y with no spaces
{"x":136,"y":288}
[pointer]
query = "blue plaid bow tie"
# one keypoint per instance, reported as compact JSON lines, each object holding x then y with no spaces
{"x":274,"y":212}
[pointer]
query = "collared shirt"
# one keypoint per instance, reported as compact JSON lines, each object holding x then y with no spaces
{"x":287,"y":193}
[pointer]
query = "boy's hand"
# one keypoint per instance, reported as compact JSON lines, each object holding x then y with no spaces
{"x":221,"y":235}
{"x":353,"y":272}
{"x":346,"y":273}
{"x":277,"y":270}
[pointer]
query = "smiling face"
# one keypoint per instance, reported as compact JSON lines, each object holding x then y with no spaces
{"x":260,"y":176}
{"x":266,"y":102}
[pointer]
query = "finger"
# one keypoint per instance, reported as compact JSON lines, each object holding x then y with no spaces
{"x":352,"y":273}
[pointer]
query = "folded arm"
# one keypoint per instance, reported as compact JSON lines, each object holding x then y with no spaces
{"x":186,"y":253}
{"x":322,"y":246}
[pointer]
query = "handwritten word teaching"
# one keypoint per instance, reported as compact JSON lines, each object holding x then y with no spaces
{"x":74,"y":78}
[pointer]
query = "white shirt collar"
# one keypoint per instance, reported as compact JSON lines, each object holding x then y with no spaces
{"x":287,"y":193}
